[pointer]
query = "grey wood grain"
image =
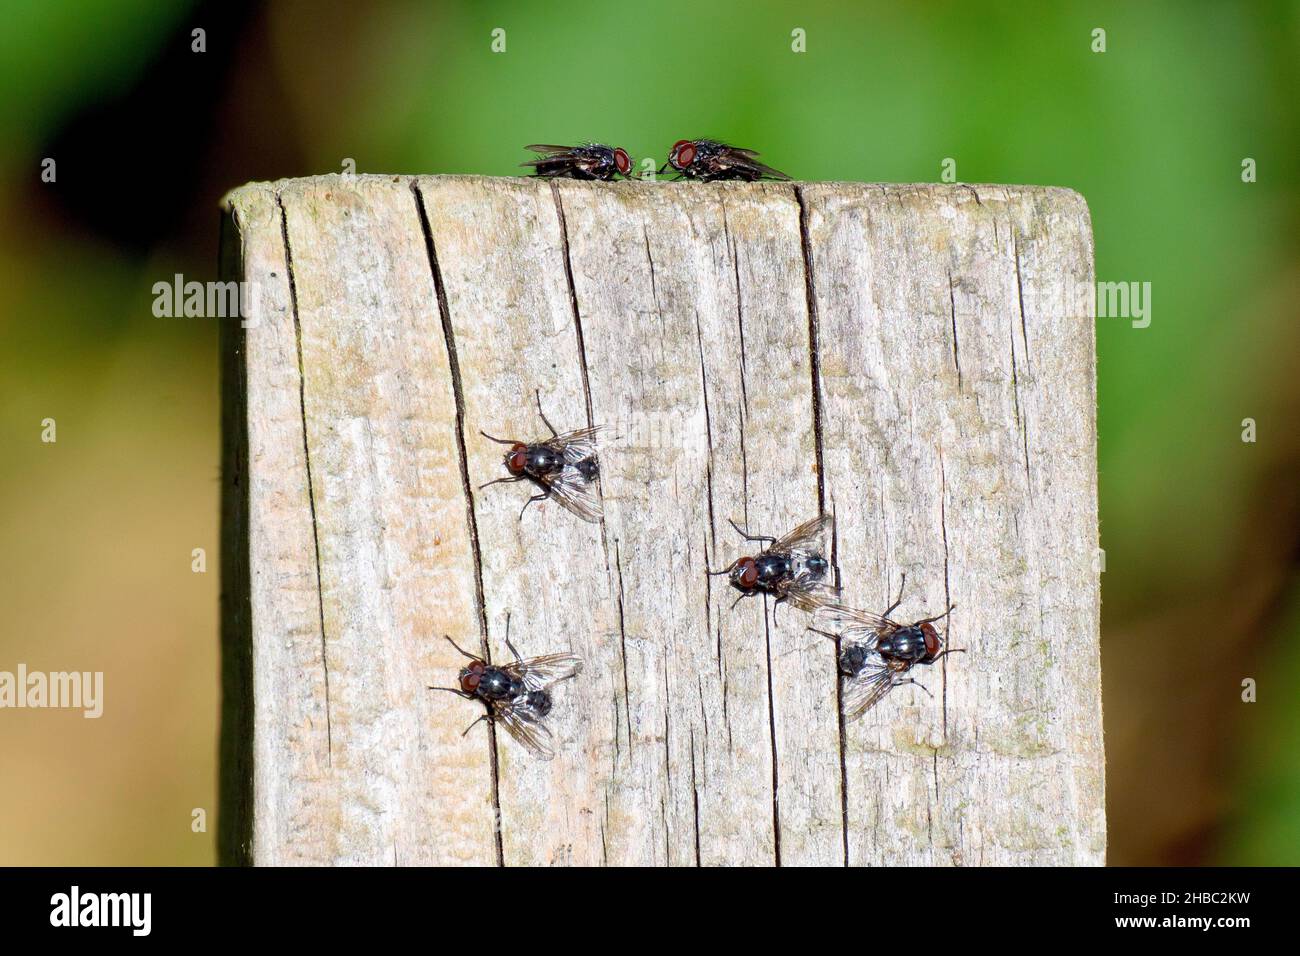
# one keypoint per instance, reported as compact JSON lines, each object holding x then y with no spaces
{"x":758,"y":352}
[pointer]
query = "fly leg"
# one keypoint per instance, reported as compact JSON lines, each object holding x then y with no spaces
{"x":898,"y":600}
{"x":540,"y":496}
{"x":461,"y":649}
{"x":501,"y":481}
{"x":554,"y":433}
{"x":909,"y":680}
{"x":455,"y":690}
{"x":751,"y":537}
{"x":471,"y":726}
{"x":513,"y":650}
{"x":939,"y":617}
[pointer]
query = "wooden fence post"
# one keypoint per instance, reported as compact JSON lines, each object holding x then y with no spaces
{"x":908,"y":357}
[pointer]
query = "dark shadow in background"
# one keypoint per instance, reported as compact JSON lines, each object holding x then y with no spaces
{"x":235,"y":773}
{"x":131,"y":167}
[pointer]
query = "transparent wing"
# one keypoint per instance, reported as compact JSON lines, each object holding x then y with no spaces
{"x":548,"y":149}
{"x":579,"y":444}
{"x":576,"y":494}
{"x":538,"y":673}
{"x":766,"y":170}
{"x":808,"y":593}
{"x":852,"y":624}
{"x":525,"y":725}
{"x":741,"y":157}
{"x":867,"y":688}
{"x":803,"y":537}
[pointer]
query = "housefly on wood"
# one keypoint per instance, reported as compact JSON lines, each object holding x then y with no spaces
{"x":877,"y":654}
{"x":709,"y":160}
{"x":588,"y":161}
{"x":517,"y":694}
{"x":565,"y":467}
{"x":791,"y":568}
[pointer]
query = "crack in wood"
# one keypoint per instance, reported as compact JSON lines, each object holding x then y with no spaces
{"x":453,"y":363}
{"x":311,"y":492}
{"x":771,"y":726}
{"x":947,"y":597}
{"x":814,"y":366}
{"x":695,"y":794}
{"x":952,"y":307}
{"x":622,"y":642}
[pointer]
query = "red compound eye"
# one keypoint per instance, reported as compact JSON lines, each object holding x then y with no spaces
{"x":683,"y":153}
{"x":469,"y":680}
{"x":932,"y":642}
{"x":748,"y":576}
{"x":622,"y":161}
{"x":517,"y":459}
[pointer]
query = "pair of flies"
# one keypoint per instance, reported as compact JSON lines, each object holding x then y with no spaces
{"x":877,"y":653}
{"x":704,"y":159}
{"x":517,"y":695}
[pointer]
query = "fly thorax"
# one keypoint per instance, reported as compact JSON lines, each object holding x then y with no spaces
{"x":772,"y":567}
{"x":496,"y":684}
{"x":544,"y":461}
{"x":907,"y":644}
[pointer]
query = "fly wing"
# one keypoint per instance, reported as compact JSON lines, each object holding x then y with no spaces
{"x":579,"y":444}
{"x":766,"y":170}
{"x":742,"y":158}
{"x":805,"y":536}
{"x":849,"y":623}
{"x":549,"y":150}
{"x":576,"y":494}
{"x":867,"y":688}
{"x":538,"y":673}
{"x":808,"y":593}
{"x":525,"y":725}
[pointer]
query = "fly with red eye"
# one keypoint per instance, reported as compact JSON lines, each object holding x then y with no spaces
{"x":564,"y":467}
{"x":588,"y":161}
{"x":791,"y":568}
{"x":876,"y":654}
{"x":518,"y":695}
{"x":708,"y":160}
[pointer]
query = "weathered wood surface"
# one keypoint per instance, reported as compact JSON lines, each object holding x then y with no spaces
{"x":892,"y":353}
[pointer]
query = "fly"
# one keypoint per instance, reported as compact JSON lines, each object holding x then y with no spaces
{"x":517,"y":694}
{"x":564,"y":467}
{"x":792,"y":568}
{"x":708,"y":160}
{"x":877,"y":654}
{"x":588,"y":161}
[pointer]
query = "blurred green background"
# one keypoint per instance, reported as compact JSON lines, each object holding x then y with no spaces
{"x":1201,"y":530}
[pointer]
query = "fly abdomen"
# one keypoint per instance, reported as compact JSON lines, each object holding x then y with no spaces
{"x":853,"y":658}
{"x":539,"y":701}
{"x":817,"y":566}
